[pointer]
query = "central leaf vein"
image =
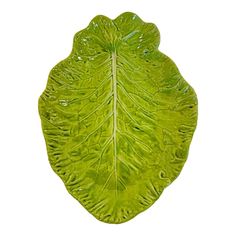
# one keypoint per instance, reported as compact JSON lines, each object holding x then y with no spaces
{"x":114,"y":85}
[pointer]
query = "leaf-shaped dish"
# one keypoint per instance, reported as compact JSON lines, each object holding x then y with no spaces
{"x":117,"y":117}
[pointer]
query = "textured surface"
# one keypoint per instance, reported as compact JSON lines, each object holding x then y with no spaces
{"x":117,"y":117}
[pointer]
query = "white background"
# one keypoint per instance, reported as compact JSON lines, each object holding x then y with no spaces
{"x":200,"y":36}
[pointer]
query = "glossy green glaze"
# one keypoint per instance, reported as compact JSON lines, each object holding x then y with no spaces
{"x":117,"y":117}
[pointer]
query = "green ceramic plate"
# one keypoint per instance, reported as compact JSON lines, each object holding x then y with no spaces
{"x":117,"y":117}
